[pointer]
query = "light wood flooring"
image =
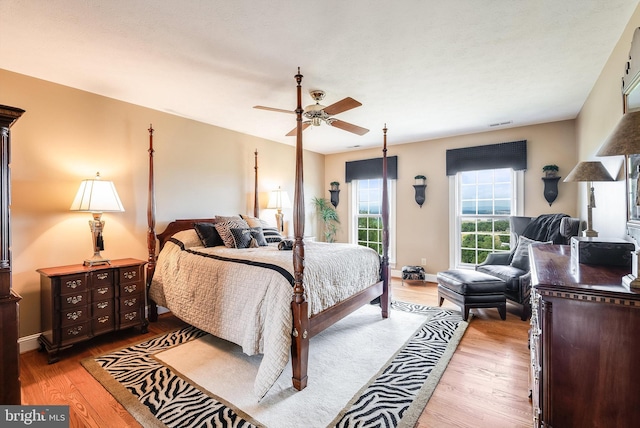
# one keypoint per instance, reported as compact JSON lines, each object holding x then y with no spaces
{"x":484,"y":385}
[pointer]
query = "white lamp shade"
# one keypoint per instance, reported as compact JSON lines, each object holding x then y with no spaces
{"x":279,"y":199}
{"x":97,"y":195}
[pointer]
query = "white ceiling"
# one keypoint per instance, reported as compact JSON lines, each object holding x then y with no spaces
{"x":426,"y":68}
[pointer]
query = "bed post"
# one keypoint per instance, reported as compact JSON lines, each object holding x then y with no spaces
{"x":300,"y":333}
{"x":151,"y":232}
{"x":255,"y":185}
{"x":385,"y":299}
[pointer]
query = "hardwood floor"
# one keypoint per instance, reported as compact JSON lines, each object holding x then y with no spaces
{"x":485,"y":384}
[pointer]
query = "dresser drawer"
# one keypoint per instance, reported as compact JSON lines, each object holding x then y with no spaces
{"x":103,"y":278}
{"x":102,"y":307}
{"x":130,"y":317}
{"x":131,"y":289}
{"x":73,"y":300}
{"x":74,"y":333}
{"x":103,"y":323}
{"x":131,"y":302}
{"x":73,"y":283}
{"x":130,"y":274}
{"x":102,"y":292}
{"x":74,"y":316}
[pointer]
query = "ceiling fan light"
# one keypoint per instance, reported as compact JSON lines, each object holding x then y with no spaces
{"x":315,"y":121}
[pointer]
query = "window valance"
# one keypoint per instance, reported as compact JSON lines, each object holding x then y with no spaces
{"x":367,"y":169}
{"x":492,"y":156}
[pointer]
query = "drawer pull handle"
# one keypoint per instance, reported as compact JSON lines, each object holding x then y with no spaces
{"x":104,"y":319}
{"x":74,"y":315}
{"x":103,"y":290}
{"x":74,"y":300}
{"x":130,"y":302}
{"x":73,"y":284}
{"x":131,"y":316}
{"x":103,"y":275}
{"x":102,"y":305}
{"x":129,"y":274}
{"x":74,"y":331}
{"x":130,"y":288}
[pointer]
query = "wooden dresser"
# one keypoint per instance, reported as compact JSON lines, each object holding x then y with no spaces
{"x":79,"y":302}
{"x":585,"y":343}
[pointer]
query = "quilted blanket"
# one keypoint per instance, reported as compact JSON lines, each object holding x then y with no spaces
{"x":244,"y":295}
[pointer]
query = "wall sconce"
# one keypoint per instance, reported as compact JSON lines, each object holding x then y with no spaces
{"x":420,"y":186}
{"x":550,"y":182}
{"x":335,"y":193}
{"x":97,"y":196}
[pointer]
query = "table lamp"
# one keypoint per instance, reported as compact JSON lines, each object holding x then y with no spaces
{"x":97,"y":196}
{"x":278,"y":200}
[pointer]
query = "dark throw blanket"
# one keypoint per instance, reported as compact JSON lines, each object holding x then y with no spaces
{"x":545,"y":228}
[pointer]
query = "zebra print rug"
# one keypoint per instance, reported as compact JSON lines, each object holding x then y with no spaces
{"x":158,"y":395}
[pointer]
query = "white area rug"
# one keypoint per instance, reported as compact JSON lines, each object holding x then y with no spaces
{"x":362,"y":370}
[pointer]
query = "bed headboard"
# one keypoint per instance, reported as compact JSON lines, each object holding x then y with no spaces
{"x":178,"y":225}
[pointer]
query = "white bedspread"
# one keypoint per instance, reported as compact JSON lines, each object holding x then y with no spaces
{"x":244,"y":295}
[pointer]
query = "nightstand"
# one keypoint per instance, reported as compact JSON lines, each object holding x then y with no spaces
{"x":79,"y":302}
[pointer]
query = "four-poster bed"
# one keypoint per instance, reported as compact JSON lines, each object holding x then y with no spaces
{"x":304,"y":315}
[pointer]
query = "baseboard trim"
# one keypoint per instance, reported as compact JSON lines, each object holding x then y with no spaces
{"x":28,"y":343}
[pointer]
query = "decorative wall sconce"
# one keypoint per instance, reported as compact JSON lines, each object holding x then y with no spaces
{"x":550,"y":182}
{"x":420,"y":186}
{"x":335,"y":193}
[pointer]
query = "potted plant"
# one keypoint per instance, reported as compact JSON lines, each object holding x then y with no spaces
{"x":421,"y":180}
{"x":550,"y":170}
{"x":329,"y":217}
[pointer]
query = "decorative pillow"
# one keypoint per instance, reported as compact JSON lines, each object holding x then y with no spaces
{"x":520,"y":258}
{"x":242,"y":237}
{"x":258,"y":235}
{"x":271,"y":234}
{"x":208,"y":234}
{"x":254,"y":221}
{"x":224,"y":229}
{"x":285,"y":244}
{"x":189,"y":238}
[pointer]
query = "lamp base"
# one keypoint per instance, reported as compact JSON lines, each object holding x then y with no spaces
{"x":590,"y":233}
{"x":631,"y":281}
{"x":97,"y":260}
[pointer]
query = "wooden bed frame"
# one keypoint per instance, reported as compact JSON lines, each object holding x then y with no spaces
{"x":304,"y":327}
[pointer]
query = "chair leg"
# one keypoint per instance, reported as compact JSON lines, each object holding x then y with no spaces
{"x":465,"y":313}
{"x":502,"y":309}
{"x":441,"y":300}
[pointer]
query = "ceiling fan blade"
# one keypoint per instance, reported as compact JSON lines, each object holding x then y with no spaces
{"x":292,"y":133}
{"x":350,"y":127}
{"x":279,"y":110}
{"x":342,"y":105}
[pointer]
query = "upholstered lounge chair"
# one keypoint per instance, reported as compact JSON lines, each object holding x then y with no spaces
{"x":513,"y":267}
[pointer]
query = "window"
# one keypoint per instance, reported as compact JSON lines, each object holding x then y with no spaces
{"x":366,"y":214}
{"x":484,"y":200}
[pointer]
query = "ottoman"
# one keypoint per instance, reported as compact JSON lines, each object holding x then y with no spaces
{"x":471,"y":289}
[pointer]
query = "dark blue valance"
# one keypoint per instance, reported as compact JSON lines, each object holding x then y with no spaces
{"x":368,"y":169}
{"x":492,"y":156}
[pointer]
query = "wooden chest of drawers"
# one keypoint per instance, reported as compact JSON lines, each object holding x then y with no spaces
{"x":584,"y":343}
{"x":80,"y":302}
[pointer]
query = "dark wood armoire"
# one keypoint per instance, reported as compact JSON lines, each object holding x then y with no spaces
{"x":9,"y":350}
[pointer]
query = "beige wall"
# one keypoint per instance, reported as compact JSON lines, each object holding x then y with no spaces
{"x":424,"y":232}
{"x":67,"y":135}
{"x":599,"y":115}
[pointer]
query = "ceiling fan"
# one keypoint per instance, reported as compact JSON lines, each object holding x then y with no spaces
{"x":317,"y":113}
